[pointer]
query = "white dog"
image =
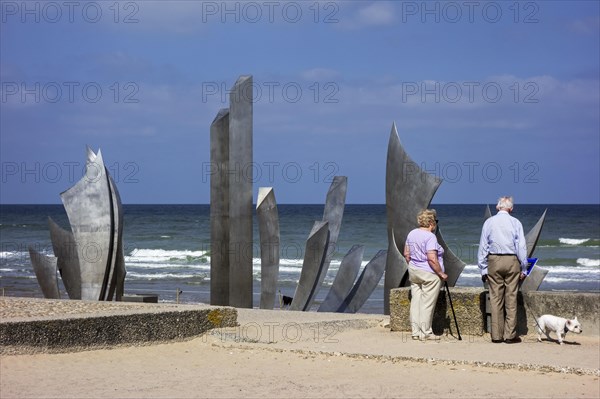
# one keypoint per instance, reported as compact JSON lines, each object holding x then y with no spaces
{"x":560,"y":326}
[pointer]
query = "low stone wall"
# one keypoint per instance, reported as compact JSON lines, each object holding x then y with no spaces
{"x":470,"y":308}
{"x":34,"y":325}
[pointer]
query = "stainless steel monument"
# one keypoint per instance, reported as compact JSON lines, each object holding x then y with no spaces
{"x":344,"y":279}
{"x":90,"y":259}
{"x":408,"y":190}
{"x":314,"y":259}
{"x":231,"y":206}
{"x":268,"y":229}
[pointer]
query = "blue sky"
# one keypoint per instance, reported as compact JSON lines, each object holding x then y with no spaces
{"x":493,"y":97}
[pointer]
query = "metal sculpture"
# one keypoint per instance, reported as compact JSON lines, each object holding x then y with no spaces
{"x":365,"y":285}
{"x":241,"y":208}
{"x":537,"y":274}
{"x":90,"y":207}
{"x":65,"y":250}
{"x":408,"y":190}
{"x":344,"y":279}
{"x":453,"y":266}
{"x":45,"y":272}
{"x":333,"y":213}
{"x":231,"y":199}
{"x":219,"y":209}
{"x":268,"y":228}
{"x":533,"y":235}
{"x":90,"y":258}
{"x":487,"y":213}
{"x":314,"y":258}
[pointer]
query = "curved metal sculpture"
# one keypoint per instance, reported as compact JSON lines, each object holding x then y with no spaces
{"x":117,"y":280}
{"x":268,"y":228}
{"x":333,"y":213}
{"x":344,"y":279}
{"x":89,"y":208}
{"x":533,"y":235}
{"x":90,"y":259}
{"x":365,"y":285}
{"x":45,"y":271}
{"x":314,"y":258}
{"x":453,"y":266}
{"x":537,"y":274}
{"x":408,"y":190}
{"x":65,"y":250}
{"x":488,"y":213}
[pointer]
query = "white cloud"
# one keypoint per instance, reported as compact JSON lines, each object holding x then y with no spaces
{"x":586,"y":26}
{"x":380,"y":13}
{"x":318,"y":74}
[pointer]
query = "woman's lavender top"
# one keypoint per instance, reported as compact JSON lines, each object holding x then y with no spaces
{"x":419,"y":242}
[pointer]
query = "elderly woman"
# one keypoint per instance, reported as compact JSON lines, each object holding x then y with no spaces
{"x":426,"y":272}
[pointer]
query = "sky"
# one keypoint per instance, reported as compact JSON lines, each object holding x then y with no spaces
{"x":494,"y":97}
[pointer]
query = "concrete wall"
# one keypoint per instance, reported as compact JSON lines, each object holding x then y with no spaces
{"x":470,"y":308}
{"x":129,"y":326}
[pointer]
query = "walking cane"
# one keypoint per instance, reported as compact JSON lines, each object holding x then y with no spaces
{"x":453,"y":314}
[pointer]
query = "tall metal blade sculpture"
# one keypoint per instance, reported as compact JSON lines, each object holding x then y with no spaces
{"x":219,"y":209}
{"x":117,"y":279}
{"x":365,"y":285}
{"x":408,"y":190}
{"x":90,"y":259}
{"x":487,"y":213}
{"x":533,"y":235}
{"x":231,"y":199}
{"x":88,"y":204}
{"x":268,"y":228}
{"x":344,"y":279}
{"x":453,"y":266}
{"x":333,"y":213}
{"x":314,"y":258}
{"x":65,"y":250}
{"x":537,"y":274}
{"x":241,"y":209}
{"x":45,"y":272}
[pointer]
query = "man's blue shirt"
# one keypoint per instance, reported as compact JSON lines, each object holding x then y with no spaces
{"x":502,"y":234}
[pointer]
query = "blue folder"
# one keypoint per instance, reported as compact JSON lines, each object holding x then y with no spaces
{"x":531,"y":264}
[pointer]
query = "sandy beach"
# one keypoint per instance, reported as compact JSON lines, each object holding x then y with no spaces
{"x":309,"y":355}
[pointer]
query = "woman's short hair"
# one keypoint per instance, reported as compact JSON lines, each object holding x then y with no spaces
{"x":426,"y":217}
{"x":505,"y":203}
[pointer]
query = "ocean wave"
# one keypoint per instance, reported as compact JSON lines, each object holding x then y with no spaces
{"x":555,"y":279}
{"x":588,"y":262}
{"x":573,"y":241}
{"x":161,"y":255}
{"x":10,"y":254}
{"x":160,"y":276}
{"x":173,"y":266}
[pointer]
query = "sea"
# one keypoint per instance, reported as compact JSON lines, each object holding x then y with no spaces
{"x":167,"y":247}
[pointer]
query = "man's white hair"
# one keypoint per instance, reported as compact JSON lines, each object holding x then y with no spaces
{"x":505,"y":203}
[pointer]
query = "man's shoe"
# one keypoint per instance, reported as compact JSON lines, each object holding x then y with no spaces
{"x":515,"y":340}
{"x":497,"y":341}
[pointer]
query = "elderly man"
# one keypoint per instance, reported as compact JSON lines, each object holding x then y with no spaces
{"x":502,"y":258}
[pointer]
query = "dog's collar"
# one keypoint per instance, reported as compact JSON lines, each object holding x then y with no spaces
{"x":566,"y":329}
